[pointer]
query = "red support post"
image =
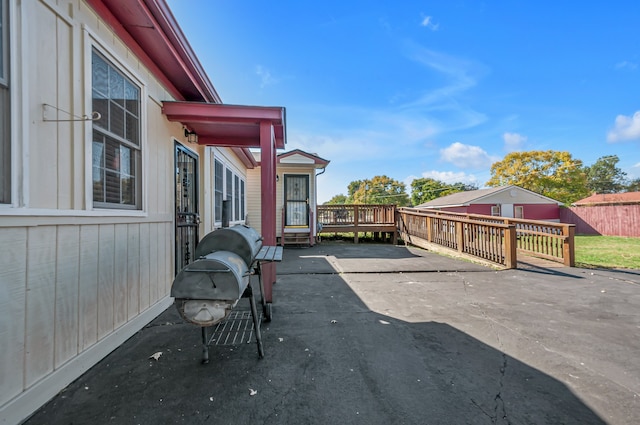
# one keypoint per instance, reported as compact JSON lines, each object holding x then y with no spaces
{"x":268,"y":202}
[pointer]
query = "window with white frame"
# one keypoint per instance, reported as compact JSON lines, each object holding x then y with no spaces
{"x":229,"y":186}
{"x":5,"y":107}
{"x":495,"y":210}
{"x":116,"y":148}
{"x":236,"y":198}
{"x":218,"y":189}
{"x":518,"y":211}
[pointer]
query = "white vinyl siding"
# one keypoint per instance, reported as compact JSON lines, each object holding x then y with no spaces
{"x":76,"y":282}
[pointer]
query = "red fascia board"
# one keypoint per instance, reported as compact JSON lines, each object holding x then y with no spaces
{"x":105,"y":14}
{"x":171,"y":59}
{"x":174,"y":33}
{"x":211,"y":112}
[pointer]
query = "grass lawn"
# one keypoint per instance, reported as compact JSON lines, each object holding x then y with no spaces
{"x":607,"y":252}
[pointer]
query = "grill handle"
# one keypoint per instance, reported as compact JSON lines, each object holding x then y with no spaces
{"x":247,"y":273}
{"x":208,"y":271}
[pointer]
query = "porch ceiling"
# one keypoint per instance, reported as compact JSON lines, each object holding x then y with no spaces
{"x":228,"y":125}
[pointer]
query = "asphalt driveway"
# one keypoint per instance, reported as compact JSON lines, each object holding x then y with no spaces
{"x":381,"y":334}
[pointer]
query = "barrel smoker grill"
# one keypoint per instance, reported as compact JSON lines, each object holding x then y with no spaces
{"x":206,"y":290}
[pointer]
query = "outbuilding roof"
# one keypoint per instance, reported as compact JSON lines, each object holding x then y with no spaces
{"x":610,"y":199}
{"x":463,"y":199}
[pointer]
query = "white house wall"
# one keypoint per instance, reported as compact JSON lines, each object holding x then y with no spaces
{"x":518,"y":197}
{"x":75,"y":282}
{"x":254,"y":194}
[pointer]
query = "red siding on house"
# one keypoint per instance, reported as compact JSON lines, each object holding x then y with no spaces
{"x":479,"y":209}
{"x":608,"y":220}
{"x":462,"y":210}
{"x":548,"y":212}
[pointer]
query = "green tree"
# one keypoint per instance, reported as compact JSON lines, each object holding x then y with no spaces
{"x":550,"y":173}
{"x":604,"y":177}
{"x":426,"y":189}
{"x":378,"y":190}
{"x":633,"y":186}
{"x":337,"y":199}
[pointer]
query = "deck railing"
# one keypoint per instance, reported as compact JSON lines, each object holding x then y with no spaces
{"x":491,"y":241}
{"x":544,"y":239}
{"x":494,"y":239}
{"x":357,"y":218}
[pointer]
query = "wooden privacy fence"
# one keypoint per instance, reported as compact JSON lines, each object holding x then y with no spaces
{"x":358,"y":218}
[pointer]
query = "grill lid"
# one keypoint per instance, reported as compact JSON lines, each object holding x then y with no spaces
{"x":220,"y":275}
{"x":240,"y":239}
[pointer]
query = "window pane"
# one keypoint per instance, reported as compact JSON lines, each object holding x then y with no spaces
{"x":116,"y":87}
{"x":131,"y":96}
{"x":219,"y":185}
{"x":116,"y":153}
{"x":236,"y":197}
{"x":131,"y":133}
{"x":5,"y":108}
{"x":100,"y":72}
{"x":98,"y":171}
{"x":242,"y":207}
{"x":116,"y":119}
{"x":112,"y":186}
{"x":2,"y":40}
{"x":229,"y":193}
{"x":100,"y":104}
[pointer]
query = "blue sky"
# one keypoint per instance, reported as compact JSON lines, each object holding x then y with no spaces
{"x":436,"y":89}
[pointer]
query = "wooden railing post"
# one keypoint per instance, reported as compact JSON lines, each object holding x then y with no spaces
{"x":356,"y":219}
{"x":569,"y":231}
{"x":429,"y":225}
{"x":510,"y":251}
{"x":459,"y":236}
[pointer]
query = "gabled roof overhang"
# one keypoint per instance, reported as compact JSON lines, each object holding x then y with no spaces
{"x":150,"y":30}
{"x":234,"y":126}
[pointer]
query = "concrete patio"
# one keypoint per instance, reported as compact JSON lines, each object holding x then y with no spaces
{"x":381,"y":334}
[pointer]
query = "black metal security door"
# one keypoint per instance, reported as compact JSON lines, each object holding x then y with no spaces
{"x":296,"y":199}
{"x":187,"y":218}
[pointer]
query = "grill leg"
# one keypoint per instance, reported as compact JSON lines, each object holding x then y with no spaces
{"x":266,"y":307}
{"x":205,"y":346}
{"x":256,"y":321}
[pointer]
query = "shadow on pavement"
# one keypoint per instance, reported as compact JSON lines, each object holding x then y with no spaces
{"x":329,"y":360}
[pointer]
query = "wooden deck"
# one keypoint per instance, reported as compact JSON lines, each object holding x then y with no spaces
{"x":358,"y":219}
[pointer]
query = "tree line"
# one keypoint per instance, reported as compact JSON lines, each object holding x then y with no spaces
{"x":554,"y":174}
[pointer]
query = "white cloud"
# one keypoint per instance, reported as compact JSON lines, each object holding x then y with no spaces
{"x":445,"y":102}
{"x":627,"y":65}
{"x":513,"y":141}
{"x":428,"y":23}
{"x":625,"y":128}
{"x":450,"y":177}
{"x":266,"y":79}
{"x":467,"y":156}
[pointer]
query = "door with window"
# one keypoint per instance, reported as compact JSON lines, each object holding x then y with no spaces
{"x":187,"y":218}
{"x":296,"y":200}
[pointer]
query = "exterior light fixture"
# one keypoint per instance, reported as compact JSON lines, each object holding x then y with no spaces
{"x":191,"y":136}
